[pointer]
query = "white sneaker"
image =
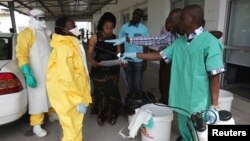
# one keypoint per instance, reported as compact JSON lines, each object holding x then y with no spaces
{"x":37,"y":129}
{"x":53,"y":117}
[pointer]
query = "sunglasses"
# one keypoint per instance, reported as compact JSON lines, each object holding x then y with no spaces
{"x":40,"y":18}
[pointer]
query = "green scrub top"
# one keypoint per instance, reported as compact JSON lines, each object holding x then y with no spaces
{"x":191,"y":64}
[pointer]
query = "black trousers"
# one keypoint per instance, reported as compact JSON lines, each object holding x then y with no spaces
{"x":164,"y":80}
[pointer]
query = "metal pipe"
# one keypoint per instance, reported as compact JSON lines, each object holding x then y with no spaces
{"x":12,"y":15}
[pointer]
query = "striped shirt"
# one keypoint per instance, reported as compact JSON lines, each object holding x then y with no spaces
{"x":161,"y":41}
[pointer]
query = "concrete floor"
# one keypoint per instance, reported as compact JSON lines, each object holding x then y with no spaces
{"x":21,"y":131}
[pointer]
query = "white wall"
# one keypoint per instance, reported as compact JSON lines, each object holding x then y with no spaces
{"x":214,"y":12}
{"x":116,"y":9}
{"x":215,"y":15}
{"x":222,"y":18}
{"x":157,"y":12}
{"x":211,"y":13}
{"x":51,"y":25}
{"x":5,"y":22}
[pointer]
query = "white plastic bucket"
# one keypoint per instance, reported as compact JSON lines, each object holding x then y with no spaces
{"x":162,"y":120}
{"x":130,"y":117}
{"x":225,"y":100}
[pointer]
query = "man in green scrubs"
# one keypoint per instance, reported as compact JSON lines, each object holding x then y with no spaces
{"x":196,"y":64}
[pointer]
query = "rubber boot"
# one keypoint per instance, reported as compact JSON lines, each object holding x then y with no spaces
{"x":37,"y":129}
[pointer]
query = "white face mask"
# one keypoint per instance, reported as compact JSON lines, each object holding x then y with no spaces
{"x":75,"y":31}
{"x":42,"y":24}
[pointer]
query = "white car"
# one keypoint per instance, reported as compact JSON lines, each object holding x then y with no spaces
{"x":13,"y":92}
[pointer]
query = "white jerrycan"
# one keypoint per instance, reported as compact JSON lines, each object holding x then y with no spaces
{"x":225,"y":119}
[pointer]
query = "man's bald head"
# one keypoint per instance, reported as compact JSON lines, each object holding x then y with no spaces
{"x":175,"y":11}
{"x":173,"y":20}
{"x":191,"y":18}
{"x":196,"y":12}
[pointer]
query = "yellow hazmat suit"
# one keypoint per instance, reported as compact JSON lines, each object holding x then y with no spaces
{"x":67,"y":85}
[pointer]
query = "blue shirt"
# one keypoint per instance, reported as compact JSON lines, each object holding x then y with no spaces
{"x":129,"y":30}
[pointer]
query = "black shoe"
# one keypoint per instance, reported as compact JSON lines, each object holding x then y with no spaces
{"x":179,"y":138}
{"x":93,"y":109}
{"x":100,"y":121}
{"x":112,"y":120}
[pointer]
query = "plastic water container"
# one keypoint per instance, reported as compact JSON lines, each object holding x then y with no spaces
{"x":225,"y":119}
{"x":130,"y":117}
{"x":225,"y":100}
{"x":162,"y":120}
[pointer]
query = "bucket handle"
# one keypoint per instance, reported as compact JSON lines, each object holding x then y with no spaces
{"x":124,"y":136}
{"x":160,"y":104}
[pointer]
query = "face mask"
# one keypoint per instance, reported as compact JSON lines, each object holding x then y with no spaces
{"x":42,"y":24}
{"x":75,"y":31}
{"x":48,"y":32}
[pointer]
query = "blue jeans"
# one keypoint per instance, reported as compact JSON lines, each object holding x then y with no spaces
{"x":133,"y":72}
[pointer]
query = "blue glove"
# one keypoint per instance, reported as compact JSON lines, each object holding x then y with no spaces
{"x":213,"y":116}
{"x":129,"y":56}
{"x":124,"y":61}
{"x":121,"y":59}
{"x":116,"y":41}
{"x":30,"y":79}
{"x":81,"y":108}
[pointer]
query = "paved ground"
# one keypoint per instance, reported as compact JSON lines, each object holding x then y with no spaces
{"x":21,"y":131}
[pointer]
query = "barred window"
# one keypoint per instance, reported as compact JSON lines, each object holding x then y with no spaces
{"x":238,"y":24}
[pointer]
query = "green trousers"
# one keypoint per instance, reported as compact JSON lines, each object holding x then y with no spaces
{"x":185,"y":133}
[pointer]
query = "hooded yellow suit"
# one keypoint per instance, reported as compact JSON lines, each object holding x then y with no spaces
{"x":67,"y":84}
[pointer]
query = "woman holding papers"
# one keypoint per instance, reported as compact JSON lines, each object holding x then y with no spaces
{"x":107,"y":103}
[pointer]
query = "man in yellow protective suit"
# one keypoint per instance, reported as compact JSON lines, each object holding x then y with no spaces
{"x":67,"y":79}
{"x":32,"y":52}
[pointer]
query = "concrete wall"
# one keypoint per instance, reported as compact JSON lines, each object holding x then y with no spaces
{"x":157,"y":12}
{"x":51,"y":25}
{"x":215,"y":14}
{"x":117,"y":9}
{"x":211,"y":12}
{"x":5,"y":22}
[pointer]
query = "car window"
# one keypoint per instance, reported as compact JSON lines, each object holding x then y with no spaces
{"x":5,"y":48}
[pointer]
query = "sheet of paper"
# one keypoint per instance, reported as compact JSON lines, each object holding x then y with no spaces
{"x":110,"y":63}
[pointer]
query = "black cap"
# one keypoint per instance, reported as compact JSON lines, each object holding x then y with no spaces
{"x":225,"y":115}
